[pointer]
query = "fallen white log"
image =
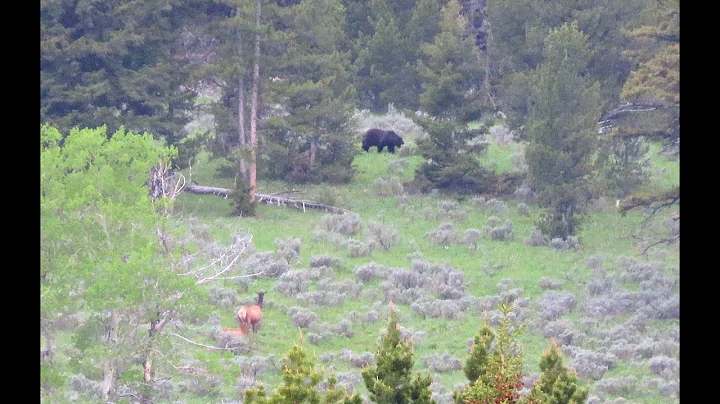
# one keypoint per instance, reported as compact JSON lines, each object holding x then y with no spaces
{"x":266,"y":199}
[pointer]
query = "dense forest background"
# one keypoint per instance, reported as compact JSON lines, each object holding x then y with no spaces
{"x":553,"y":120}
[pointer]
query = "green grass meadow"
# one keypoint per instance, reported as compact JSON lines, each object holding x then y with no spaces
{"x":604,"y":233}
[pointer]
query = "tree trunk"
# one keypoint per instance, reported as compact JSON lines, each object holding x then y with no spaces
{"x":112,"y":327}
{"x":47,"y":352}
{"x":242,"y":139}
{"x":254,"y":106}
{"x":488,"y":87}
{"x":109,"y":370}
{"x":313,"y":152}
{"x":108,"y":380}
{"x":148,"y":368}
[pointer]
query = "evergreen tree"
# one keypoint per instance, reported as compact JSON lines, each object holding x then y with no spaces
{"x":519,"y":29}
{"x":358,"y":21}
{"x":653,"y":92}
{"x":381,"y":58}
{"x":495,"y":375}
{"x":476,"y":364}
{"x":655,"y":78}
{"x":564,"y":111}
{"x":451,"y":152}
{"x":622,"y":165}
{"x":556,"y":385}
{"x":232,"y":33}
{"x":116,"y":63}
{"x":451,"y":73}
{"x":391,"y":380}
{"x":316,"y":90}
{"x":301,"y":384}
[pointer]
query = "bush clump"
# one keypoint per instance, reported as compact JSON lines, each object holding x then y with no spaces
{"x":472,"y":236}
{"x":441,"y":363}
{"x":288,"y":248}
{"x":444,"y":235}
{"x":357,"y":248}
{"x":345,"y":223}
{"x":326,"y":261}
{"x":388,"y":187}
{"x":302,"y":317}
{"x":370,"y":271}
{"x":293,"y":282}
{"x":265,"y":265}
{"x":384,"y":236}
{"x":523,"y":209}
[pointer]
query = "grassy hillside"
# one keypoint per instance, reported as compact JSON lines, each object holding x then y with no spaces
{"x":615,"y":313}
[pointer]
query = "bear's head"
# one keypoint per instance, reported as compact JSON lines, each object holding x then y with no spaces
{"x":395,"y":139}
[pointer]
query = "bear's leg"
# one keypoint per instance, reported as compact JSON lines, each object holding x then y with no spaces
{"x":391,"y":148}
{"x":380,"y":147}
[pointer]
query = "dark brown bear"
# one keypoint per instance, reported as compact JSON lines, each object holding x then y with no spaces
{"x":382,"y":138}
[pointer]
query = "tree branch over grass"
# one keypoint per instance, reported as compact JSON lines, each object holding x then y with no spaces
{"x":653,"y":203}
{"x":226,"y":258}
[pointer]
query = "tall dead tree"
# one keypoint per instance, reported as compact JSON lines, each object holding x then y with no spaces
{"x":242,"y":139}
{"x":254,"y":105}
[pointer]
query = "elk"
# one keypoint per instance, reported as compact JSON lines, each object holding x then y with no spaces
{"x":251,"y":315}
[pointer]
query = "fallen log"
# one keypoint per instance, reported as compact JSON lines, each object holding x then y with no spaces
{"x":266,"y":199}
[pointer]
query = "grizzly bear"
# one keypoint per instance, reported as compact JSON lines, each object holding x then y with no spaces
{"x":382,"y":138}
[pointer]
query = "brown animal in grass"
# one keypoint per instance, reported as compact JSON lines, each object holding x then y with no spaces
{"x":251,"y":316}
{"x":236,"y":332}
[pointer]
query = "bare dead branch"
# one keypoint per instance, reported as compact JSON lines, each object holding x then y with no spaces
{"x":225,"y":258}
{"x":197,"y":343}
{"x":606,"y":121}
{"x":668,"y":241}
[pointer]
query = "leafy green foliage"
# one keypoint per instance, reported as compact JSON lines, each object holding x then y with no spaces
{"x":391,"y":379}
{"x":476,"y":363}
{"x":100,"y":252}
{"x":655,"y":77}
{"x":242,"y":204}
{"x":381,"y":60}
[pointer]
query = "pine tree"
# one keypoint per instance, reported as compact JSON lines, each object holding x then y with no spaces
{"x":564,"y":111}
{"x":556,"y":385}
{"x":301,"y":383}
{"x":495,"y":375}
{"x":381,"y":58}
{"x":451,"y":72}
{"x":476,"y":363}
{"x":450,"y":151}
{"x":654,"y":88}
{"x":115,"y":63}
{"x":654,"y":81}
{"x":391,"y":380}
{"x":316,"y":91}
